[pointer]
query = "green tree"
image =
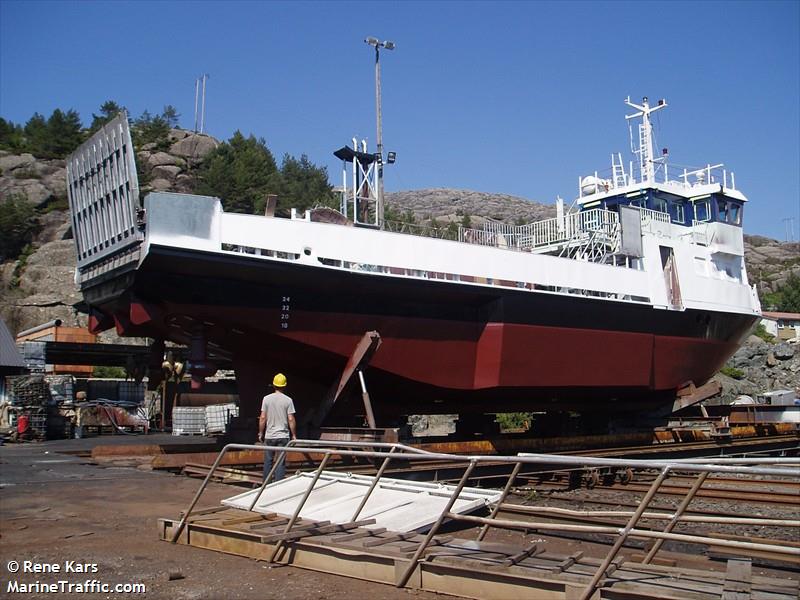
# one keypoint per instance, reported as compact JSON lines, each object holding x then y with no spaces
{"x":466,"y":222}
{"x":36,"y":134}
{"x":149,"y":129}
{"x":790,"y":295}
{"x":302,"y":185}
{"x":64,"y":134}
{"x":108,"y":110}
{"x":18,"y":223}
{"x":240,"y":172}
{"x":170,"y":115}
{"x":12,"y":136}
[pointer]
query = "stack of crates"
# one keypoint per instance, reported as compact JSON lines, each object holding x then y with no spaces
{"x":189,"y":420}
{"x":218,"y":416}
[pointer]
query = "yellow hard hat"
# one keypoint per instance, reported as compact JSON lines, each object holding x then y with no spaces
{"x":279,"y":380}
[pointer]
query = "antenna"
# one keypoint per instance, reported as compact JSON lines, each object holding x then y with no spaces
{"x":203,"y":109}
{"x":645,"y":151}
{"x":196,"y":94}
{"x":789,"y":224}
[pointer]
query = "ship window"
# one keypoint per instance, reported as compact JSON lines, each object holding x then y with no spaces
{"x":701,"y":210}
{"x":659,"y":204}
{"x":722,"y":211}
{"x":680,"y":216}
{"x":736,"y":214}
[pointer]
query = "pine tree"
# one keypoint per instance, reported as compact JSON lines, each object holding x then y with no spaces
{"x":240,"y":172}
{"x":36,"y":135}
{"x":64,"y":133}
{"x":303,"y":185}
{"x":108,"y":110}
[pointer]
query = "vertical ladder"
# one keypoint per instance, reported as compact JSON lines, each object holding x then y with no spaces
{"x":618,"y":171}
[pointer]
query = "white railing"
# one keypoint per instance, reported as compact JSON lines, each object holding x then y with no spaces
{"x":575,"y":229}
{"x":610,"y":180}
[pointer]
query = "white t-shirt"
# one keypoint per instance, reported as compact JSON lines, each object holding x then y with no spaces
{"x":278,"y":407}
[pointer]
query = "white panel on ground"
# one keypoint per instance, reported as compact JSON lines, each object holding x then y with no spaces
{"x":395,"y":504}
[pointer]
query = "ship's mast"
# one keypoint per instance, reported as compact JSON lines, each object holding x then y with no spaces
{"x":645,"y":151}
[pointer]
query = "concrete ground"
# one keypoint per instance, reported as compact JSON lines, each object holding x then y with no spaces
{"x":55,"y":508}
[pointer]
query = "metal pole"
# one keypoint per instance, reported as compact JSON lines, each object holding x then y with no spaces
{"x":203,"y":112}
{"x":196,"y":94}
{"x":413,"y":563}
{"x":676,"y":517}
{"x":268,"y":478}
{"x":373,"y":485}
{"x":485,"y":529}
{"x":623,"y":535}
{"x":199,"y":493}
{"x":302,"y":503}
{"x":379,"y":119}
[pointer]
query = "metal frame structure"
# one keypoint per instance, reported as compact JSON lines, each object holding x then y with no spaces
{"x":103,"y":192}
{"x":393,"y":452}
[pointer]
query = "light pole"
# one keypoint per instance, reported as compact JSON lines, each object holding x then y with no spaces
{"x":377,"y":44}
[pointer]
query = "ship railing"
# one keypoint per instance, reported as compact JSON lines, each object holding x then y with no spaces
{"x":443,"y":233}
{"x":644,"y":522}
{"x":685,"y":176}
{"x":574,"y":230}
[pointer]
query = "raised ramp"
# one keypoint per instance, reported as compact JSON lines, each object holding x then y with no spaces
{"x":395,"y":504}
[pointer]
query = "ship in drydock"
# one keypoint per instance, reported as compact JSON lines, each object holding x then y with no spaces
{"x":636,"y":291}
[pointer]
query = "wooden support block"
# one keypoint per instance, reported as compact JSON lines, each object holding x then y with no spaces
{"x":205,"y":511}
{"x":567,"y":562}
{"x":663,"y":562}
{"x":361,"y":534}
{"x":247,"y":519}
{"x":270,"y":523}
{"x":738,"y":580}
{"x":398,"y":537}
{"x":615,"y":564}
{"x":527,"y":553}
{"x":309,"y":531}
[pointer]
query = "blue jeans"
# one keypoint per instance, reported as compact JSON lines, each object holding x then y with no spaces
{"x":280,"y":471}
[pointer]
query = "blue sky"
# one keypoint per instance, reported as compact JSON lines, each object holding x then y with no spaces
{"x":519,"y":97}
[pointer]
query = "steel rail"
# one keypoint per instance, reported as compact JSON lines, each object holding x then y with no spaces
{"x":588,"y":514}
{"x":639,"y":533}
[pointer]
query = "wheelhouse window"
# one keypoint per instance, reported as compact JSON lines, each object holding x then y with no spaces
{"x":722,"y":211}
{"x":680,"y":215}
{"x":660,"y":204}
{"x":735,"y":215}
{"x":701,"y":211}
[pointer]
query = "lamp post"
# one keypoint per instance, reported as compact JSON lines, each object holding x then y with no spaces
{"x":377,"y":44}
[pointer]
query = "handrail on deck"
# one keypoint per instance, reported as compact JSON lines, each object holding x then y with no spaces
{"x":786,"y":467}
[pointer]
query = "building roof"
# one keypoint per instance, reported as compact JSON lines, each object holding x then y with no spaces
{"x":785,"y":316}
{"x":9,"y":355}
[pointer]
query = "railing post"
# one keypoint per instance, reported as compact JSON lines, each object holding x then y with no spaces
{"x":374,"y":484}
{"x":302,"y":503}
{"x":275,"y":464}
{"x":482,"y":533}
{"x":199,"y":493}
{"x":413,"y":563}
{"x":623,"y":534}
{"x":677,"y":515}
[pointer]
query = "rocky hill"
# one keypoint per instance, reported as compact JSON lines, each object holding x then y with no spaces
{"x":760,"y":366}
{"x":449,"y":205}
{"x":770,"y":262}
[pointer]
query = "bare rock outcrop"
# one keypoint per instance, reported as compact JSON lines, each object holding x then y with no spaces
{"x":451,"y":205}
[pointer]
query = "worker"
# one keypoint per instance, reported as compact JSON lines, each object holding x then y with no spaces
{"x":276,"y":424}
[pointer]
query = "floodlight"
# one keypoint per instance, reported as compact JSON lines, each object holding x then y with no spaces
{"x":372,"y":41}
{"x":391,"y":157}
{"x":388,"y":45}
